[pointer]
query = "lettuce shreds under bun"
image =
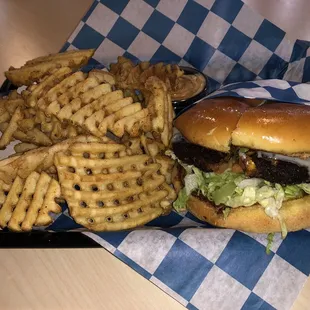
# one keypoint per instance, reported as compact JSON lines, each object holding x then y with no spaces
{"x":236,"y":190}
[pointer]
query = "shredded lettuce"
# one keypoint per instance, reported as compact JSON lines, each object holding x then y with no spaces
{"x":305,"y":187}
{"x":270,"y":242}
{"x":294,"y":191}
{"x":226,"y":212}
{"x":180,"y":204}
{"x":236,"y":189}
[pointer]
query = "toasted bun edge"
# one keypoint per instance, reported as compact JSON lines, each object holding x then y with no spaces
{"x":295,"y":213}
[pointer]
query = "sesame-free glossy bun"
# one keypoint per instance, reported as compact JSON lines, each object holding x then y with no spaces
{"x":275,"y":127}
{"x":210,"y":122}
{"x":295,"y":213}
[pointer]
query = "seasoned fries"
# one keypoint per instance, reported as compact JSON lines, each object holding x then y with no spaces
{"x":29,"y":202}
{"x":39,"y":67}
{"x":39,"y":160}
{"x":108,"y":189}
{"x":10,"y":129}
{"x":61,"y":122}
{"x":24,"y":147}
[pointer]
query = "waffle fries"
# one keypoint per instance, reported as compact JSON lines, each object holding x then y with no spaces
{"x":29,"y":202}
{"x":89,"y":104}
{"x":39,"y":160}
{"x":62,"y":121}
{"x":106,"y":188}
{"x":36,"y":69}
{"x":30,"y":125}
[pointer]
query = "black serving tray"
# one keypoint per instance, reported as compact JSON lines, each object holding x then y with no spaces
{"x":45,"y":239}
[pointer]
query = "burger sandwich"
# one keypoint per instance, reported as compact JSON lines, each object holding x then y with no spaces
{"x":245,"y":166}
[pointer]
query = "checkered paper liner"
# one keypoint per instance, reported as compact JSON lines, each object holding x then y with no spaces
{"x":201,"y":266}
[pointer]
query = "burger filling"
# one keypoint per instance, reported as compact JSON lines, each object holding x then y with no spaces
{"x":241,"y":178}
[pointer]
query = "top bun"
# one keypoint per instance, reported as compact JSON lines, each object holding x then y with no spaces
{"x":275,"y":127}
{"x":210,"y":123}
{"x":272,"y":127}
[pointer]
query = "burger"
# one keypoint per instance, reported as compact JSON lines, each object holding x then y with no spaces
{"x":246,"y":164}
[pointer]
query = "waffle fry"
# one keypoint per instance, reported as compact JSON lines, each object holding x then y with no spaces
{"x":4,"y":190}
{"x":103,"y":76}
{"x":31,"y":94}
{"x":160,"y":107}
{"x":88,"y":103}
{"x":39,"y":160}
{"x":11,"y":128}
{"x":34,"y":70}
{"x":94,"y":107}
{"x":49,"y":204}
{"x":33,"y":126}
{"x":87,"y":54}
{"x":166,"y":166}
{"x":151,"y":146}
{"x":29,"y":202}
{"x":11,"y":201}
{"x":73,"y":86}
{"x":62,"y":120}
{"x":108,"y":189}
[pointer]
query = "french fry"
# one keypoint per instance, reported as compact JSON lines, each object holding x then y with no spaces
{"x":38,"y":137}
{"x":156,"y":102}
{"x":4,"y":115}
{"x":52,"y":80}
{"x":29,"y":202}
{"x":39,"y":160}
{"x":49,"y":205}
{"x":102,"y":76}
{"x":11,"y":128}
{"x":4,"y":189}
{"x":64,"y":85}
{"x":71,"y":55}
{"x":24,"y":147}
{"x":36,"y":69}
{"x":26,"y":124}
{"x":107,"y":189}
{"x":93,"y":107}
{"x":12,"y":104}
{"x":11,"y":201}
{"x":37,"y":202}
{"x":160,"y":107}
{"x":17,"y":216}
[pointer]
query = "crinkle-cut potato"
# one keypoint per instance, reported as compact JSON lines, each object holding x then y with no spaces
{"x":36,"y":69}
{"x":33,"y":92}
{"x":39,"y":160}
{"x":110,"y":187}
{"x":88,"y":102}
{"x":11,"y":128}
{"x":29,"y":202}
{"x":31,"y":125}
{"x":103,"y":76}
{"x":63,"y":120}
{"x":160,"y":108}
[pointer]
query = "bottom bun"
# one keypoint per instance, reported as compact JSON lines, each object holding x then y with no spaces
{"x":295,"y":213}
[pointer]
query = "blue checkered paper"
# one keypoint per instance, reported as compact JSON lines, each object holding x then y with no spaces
{"x":243,"y":55}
